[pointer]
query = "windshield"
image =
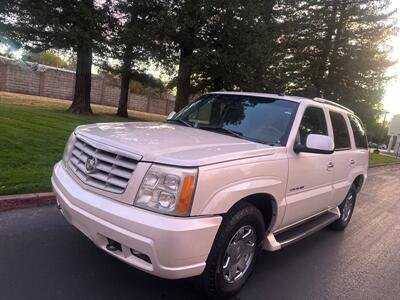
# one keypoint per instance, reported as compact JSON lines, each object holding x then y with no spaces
{"x":263,"y":120}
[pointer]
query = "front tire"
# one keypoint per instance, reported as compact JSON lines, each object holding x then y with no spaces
{"x":234,"y":252}
{"x":346,"y":210}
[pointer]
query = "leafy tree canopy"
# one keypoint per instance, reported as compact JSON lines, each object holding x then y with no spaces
{"x":49,"y":58}
{"x":337,"y":49}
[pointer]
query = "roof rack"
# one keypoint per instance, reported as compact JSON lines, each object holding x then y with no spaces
{"x":321,"y":100}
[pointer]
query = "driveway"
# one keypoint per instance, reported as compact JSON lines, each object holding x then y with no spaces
{"x":43,"y":257}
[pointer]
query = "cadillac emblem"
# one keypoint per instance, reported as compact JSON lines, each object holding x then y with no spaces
{"x":90,"y":164}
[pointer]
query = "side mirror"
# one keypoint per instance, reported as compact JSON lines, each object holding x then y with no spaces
{"x":316,"y":143}
{"x":171,"y":115}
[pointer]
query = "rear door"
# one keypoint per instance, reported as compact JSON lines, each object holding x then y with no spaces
{"x":360,"y":147}
{"x":344,"y":155}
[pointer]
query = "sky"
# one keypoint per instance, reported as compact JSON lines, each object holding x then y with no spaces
{"x":392,"y":98}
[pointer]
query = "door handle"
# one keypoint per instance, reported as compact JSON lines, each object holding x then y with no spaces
{"x":330,"y":166}
{"x":352,"y":162}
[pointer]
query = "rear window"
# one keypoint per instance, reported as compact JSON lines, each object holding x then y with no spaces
{"x":340,"y":131}
{"x":360,"y":136}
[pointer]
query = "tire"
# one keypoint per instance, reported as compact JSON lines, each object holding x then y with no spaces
{"x":240,"y":233}
{"x":346,"y":211}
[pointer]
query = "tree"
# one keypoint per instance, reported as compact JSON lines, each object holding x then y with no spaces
{"x":220,"y":44}
{"x":78,"y":25}
{"x":240,"y":45}
{"x":180,"y":37}
{"x":359,"y":58}
{"x":337,"y":49}
{"x":132,"y":44}
{"x":377,"y":132}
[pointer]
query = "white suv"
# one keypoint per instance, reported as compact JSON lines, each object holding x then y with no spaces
{"x":228,"y":175}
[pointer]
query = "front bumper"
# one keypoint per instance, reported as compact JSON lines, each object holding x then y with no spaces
{"x":177,"y":247}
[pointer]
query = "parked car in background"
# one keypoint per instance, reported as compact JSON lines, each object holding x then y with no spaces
{"x":373,"y":145}
{"x":201,"y":194}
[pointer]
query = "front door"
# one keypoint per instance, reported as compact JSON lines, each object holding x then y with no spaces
{"x":309,"y":189}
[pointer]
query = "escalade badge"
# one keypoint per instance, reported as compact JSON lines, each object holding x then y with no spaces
{"x":90,"y":164}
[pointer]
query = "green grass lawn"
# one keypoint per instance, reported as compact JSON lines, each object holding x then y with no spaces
{"x":33,"y":133}
{"x":375,"y":158}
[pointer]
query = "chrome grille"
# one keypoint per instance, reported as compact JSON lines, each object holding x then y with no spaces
{"x":112,"y":171}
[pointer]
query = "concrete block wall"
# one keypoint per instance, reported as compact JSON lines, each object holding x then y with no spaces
{"x":58,"y":84}
{"x":20,"y":79}
{"x":170,"y":105}
{"x":158,"y":105}
{"x":34,"y":79}
{"x":96,"y":92}
{"x":138,"y":102}
{"x":110,"y":95}
{"x":3,"y":77}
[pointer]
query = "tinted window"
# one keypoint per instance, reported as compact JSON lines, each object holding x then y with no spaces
{"x":340,"y":131}
{"x":313,"y":122}
{"x":360,"y":135}
{"x":264,"y":120}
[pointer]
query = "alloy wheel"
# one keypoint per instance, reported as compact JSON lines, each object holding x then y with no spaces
{"x":239,"y":254}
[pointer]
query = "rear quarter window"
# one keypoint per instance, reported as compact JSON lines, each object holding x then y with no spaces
{"x":360,"y":136}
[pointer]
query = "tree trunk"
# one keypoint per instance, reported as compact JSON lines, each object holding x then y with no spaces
{"x":269,"y":10}
{"x":218,"y":83}
{"x":184,"y":72}
{"x":125,"y":78}
{"x":83,"y":80}
{"x":326,"y":49}
{"x":334,"y":55}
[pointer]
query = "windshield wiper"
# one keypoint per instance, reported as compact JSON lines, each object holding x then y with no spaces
{"x":180,"y":121}
{"x":239,"y":135}
{"x":223,"y":130}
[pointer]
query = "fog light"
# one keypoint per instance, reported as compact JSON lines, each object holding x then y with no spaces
{"x":141,"y":255}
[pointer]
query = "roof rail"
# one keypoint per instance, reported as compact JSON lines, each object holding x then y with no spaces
{"x":321,"y":100}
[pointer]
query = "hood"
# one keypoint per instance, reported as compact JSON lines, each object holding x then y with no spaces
{"x":172,"y":144}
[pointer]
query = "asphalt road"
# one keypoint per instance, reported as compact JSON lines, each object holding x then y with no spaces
{"x":43,"y":257}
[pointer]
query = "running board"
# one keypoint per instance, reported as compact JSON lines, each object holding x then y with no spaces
{"x":292,"y":235}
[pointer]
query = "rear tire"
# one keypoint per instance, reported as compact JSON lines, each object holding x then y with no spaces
{"x":346,"y":210}
{"x":234,"y":252}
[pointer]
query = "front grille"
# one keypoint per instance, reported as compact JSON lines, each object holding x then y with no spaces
{"x":112,"y":171}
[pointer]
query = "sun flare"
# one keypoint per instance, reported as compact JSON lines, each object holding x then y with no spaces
{"x":392,"y":96}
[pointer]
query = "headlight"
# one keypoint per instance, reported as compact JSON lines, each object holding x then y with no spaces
{"x":167,"y":190}
{"x":68,"y":148}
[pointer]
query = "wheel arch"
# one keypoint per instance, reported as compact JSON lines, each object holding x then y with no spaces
{"x":266,"y":204}
{"x":359,"y":182}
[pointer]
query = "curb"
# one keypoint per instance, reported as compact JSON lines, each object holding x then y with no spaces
{"x":383,"y":165}
{"x":26,"y":200}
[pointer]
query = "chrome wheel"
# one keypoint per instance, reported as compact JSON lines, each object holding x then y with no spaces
{"x":348,"y":206}
{"x":239,"y":254}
